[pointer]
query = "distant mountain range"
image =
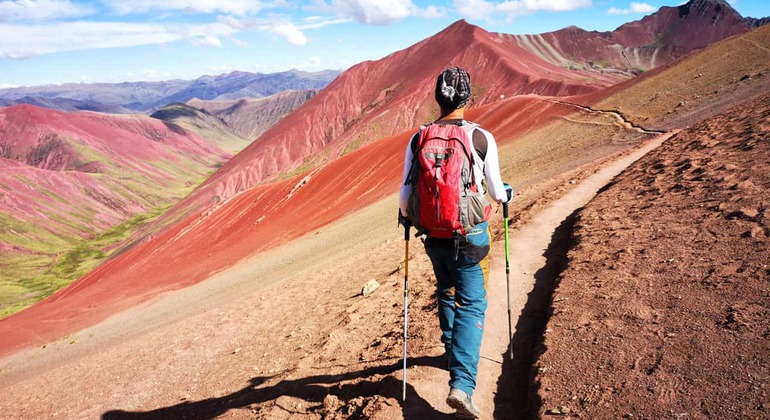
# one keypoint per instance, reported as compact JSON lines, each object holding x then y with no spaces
{"x":147,"y":97}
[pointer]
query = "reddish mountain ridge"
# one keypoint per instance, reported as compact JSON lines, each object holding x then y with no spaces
{"x":376,"y":99}
{"x":656,"y":39}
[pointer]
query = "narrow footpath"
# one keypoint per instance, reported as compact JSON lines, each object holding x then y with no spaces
{"x":530,"y":270}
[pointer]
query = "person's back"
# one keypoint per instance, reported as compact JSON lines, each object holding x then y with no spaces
{"x":460,"y":261}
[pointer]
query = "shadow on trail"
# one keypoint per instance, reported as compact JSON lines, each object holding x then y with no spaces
{"x":517,"y":397}
{"x":369,"y":382}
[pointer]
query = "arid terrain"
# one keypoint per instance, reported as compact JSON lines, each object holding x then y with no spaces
{"x":639,"y":277}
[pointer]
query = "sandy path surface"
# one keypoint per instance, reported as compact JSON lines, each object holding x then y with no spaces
{"x":527,"y":249}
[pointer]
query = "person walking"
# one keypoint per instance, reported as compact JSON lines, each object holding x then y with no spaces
{"x":460,"y":261}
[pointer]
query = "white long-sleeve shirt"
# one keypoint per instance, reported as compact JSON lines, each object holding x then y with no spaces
{"x":489,"y":167}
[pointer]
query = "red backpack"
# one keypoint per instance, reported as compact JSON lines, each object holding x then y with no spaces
{"x":445,"y":201}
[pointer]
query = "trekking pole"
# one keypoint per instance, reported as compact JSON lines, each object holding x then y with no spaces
{"x":509,"y":191}
{"x":406,"y":301}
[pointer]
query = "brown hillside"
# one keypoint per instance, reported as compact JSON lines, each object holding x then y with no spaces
{"x":696,"y":86}
{"x":251,"y":117}
{"x":663,"y":309}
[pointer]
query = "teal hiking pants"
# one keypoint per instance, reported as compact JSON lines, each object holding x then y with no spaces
{"x":462,"y":302}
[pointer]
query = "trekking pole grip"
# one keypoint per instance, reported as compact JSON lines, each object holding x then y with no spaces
{"x":505,"y":210}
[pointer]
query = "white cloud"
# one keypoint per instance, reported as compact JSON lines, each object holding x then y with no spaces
{"x":486,"y":10}
{"x":24,"y":41}
{"x":430,"y":12}
{"x":556,"y":5}
{"x":635,"y":8}
{"x":207,"y":41}
{"x":234,"y":7}
{"x":288,"y":31}
{"x":317,"y":24}
{"x":375,"y":12}
{"x":378,"y":12}
{"x":7,"y":86}
{"x":41,"y":10}
{"x":235,"y":23}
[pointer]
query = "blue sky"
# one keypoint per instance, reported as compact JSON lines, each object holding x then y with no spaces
{"x":61,"y":41}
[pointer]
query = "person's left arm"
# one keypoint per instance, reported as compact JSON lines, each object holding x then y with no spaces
{"x":492,"y":170}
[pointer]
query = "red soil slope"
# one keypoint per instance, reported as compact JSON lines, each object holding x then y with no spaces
{"x":259,"y":218}
{"x":665,"y":35}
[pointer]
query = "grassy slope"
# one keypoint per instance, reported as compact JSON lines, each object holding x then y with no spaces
{"x":204,"y":124}
{"x":63,"y":238}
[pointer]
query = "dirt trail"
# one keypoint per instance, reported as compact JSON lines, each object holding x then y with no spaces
{"x":618,"y":117}
{"x":529,"y":265}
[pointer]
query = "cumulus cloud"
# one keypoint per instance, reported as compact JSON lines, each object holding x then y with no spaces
{"x":486,"y":10}
{"x":288,"y":31}
{"x":24,"y":41}
{"x":41,"y":10}
{"x":635,"y":8}
{"x":233,"y":7}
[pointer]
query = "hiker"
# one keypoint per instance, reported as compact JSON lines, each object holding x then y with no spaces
{"x":460,"y":262}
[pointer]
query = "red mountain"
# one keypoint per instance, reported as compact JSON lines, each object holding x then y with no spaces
{"x":380,"y":98}
{"x":665,"y":35}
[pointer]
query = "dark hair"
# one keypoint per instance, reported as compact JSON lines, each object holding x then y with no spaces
{"x":453,"y":88}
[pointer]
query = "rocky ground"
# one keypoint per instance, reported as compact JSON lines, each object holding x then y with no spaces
{"x":663,"y":310}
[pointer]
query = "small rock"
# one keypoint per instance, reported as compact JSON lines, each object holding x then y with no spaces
{"x":331,"y":402}
{"x":370,"y":287}
{"x":560,"y":410}
{"x":236,"y":351}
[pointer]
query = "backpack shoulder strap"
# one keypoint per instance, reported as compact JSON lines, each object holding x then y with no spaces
{"x":416,"y":137}
{"x":480,"y":144}
{"x":478,"y":139}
